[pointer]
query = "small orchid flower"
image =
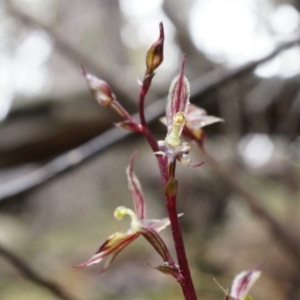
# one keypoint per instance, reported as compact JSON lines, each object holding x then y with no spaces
{"x":149,"y":228}
{"x":176,"y":111}
{"x":242,"y":284}
{"x":181,"y":116}
{"x":177,"y":104}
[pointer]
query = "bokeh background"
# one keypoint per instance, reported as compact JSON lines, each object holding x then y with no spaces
{"x":241,"y":208}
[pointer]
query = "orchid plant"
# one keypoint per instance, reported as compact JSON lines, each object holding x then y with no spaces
{"x":181,"y":119}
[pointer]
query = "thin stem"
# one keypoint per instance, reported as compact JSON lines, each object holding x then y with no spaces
{"x":146,"y":131}
{"x":144,"y":90}
{"x":167,"y":172}
{"x":187,"y":284}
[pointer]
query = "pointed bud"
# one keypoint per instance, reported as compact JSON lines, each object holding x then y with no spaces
{"x":155,"y":54}
{"x":99,"y":88}
{"x":242,"y":284}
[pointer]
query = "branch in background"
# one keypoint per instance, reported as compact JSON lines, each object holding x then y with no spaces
{"x":62,"y":163}
{"x":72,"y":54}
{"x":216,"y":78}
{"x":27,"y":271}
{"x":67,"y":161}
{"x":234,"y":179}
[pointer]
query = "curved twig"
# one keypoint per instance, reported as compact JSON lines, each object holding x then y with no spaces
{"x":27,"y":271}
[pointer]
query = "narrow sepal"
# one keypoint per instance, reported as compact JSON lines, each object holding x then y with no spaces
{"x":178,"y":98}
{"x":197,"y":117}
{"x":136,"y":190}
{"x":155,"y":224}
{"x":158,"y":244}
{"x":111,"y":247}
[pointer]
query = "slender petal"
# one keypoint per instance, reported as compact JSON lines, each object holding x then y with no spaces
{"x":155,"y":224}
{"x":158,"y":244}
{"x":111,"y":247}
{"x":136,"y":190}
{"x":242,"y":284}
{"x":178,"y":99}
{"x":197,"y":117}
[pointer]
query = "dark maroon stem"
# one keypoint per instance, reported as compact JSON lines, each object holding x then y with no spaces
{"x":168,"y":172}
{"x":146,"y":131}
{"x":186,"y":283}
{"x":143,"y":93}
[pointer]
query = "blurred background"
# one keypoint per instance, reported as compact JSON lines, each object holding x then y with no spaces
{"x":241,"y":208}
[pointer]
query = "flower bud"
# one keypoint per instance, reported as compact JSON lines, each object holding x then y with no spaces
{"x":99,"y":88}
{"x":155,"y":53}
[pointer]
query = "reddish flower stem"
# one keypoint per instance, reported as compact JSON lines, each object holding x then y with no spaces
{"x":167,"y":172}
{"x":187,"y":284}
{"x":144,"y":90}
